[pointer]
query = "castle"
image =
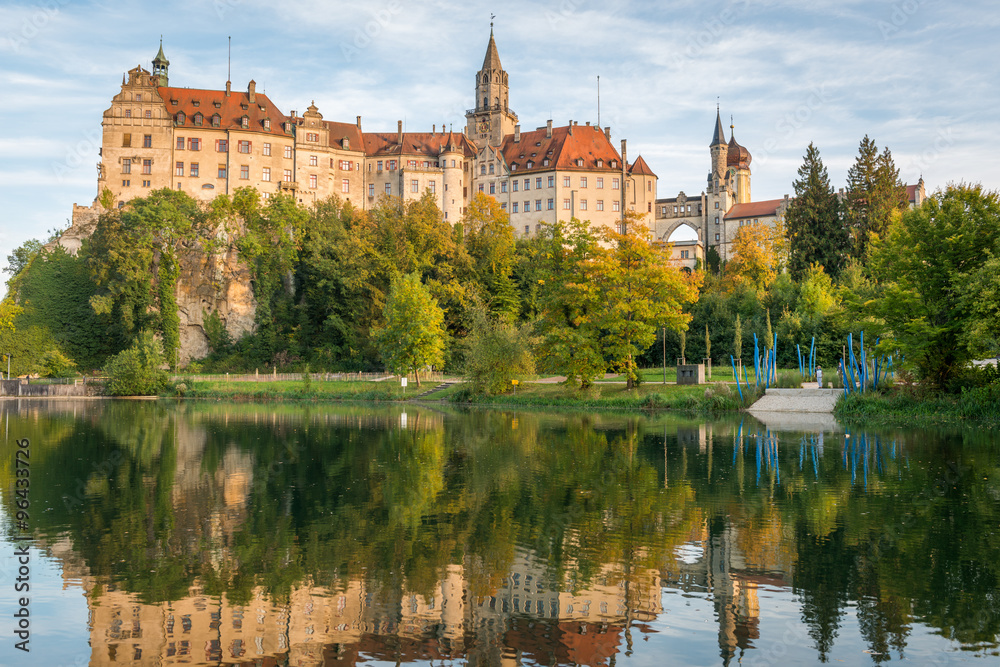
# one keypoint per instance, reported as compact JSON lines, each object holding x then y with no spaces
{"x":210,"y":142}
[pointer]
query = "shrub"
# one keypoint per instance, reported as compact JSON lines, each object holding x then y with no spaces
{"x":498,"y":352}
{"x":789,"y":380}
{"x":136,"y":371}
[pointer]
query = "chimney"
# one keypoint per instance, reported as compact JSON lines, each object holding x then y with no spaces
{"x":399,"y":132}
{"x":252,"y":91}
{"x":571,"y":126}
{"x":548,"y":129}
{"x":434,"y":129}
{"x":517,"y":133}
{"x":359,"y":122}
{"x":229,"y":87}
{"x":588,"y":123}
{"x":607,"y":131}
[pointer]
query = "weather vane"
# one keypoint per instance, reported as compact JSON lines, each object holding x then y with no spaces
{"x":492,"y":16}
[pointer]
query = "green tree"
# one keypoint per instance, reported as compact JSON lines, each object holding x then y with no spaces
{"x":569,"y":303}
{"x":413,"y":334}
{"x":813,"y":222}
{"x":641,"y":290}
{"x":489,"y":240}
{"x":136,"y":371}
{"x":498,"y":352}
{"x":926,"y":266}
{"x":874,"y":195}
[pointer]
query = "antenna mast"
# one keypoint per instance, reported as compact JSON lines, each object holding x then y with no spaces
{"x":598,"y":100}
{"x":229,"y":74}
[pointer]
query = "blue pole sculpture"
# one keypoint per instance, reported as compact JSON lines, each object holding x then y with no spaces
{"x":737,"y":377}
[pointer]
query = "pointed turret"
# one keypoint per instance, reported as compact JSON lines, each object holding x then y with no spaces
{"x":160,"y":65}
{"x":492,"y":59}
{"x":719,"y":138}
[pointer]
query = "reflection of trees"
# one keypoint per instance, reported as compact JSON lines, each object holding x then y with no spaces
{"x":902,"y":526}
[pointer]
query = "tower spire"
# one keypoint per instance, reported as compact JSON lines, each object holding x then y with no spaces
{"x":719,"y":138}
{"x":160,"y":65}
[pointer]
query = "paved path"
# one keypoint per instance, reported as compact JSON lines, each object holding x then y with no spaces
{"x":797,"y":400}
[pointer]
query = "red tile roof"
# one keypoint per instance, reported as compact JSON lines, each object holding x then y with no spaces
{"x":640,"y":168}
{"x":911,"y":193}
{"x":338,"y":131}
{"x":563,"y":149}
{"x":421,"y":143}
{"x":230,"y":109}
{"x":755,"y":209}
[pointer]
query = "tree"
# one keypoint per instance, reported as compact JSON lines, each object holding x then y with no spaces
{"x":413,"y":334}
{"x":569,"y":303}
{"x":136,"y":371}
{"x":813,"y":222}
{"x":641,"y":290}
{"x":874,"y":194}
{"x":738,"y":338}
{"x":931,"y":265}
{"x":760,"y":251}
{"x":499,"y":351}
{"x":489,"y":240}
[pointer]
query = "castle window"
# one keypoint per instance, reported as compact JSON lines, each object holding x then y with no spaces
{"x":583,"y":181}
{"x":493,"y":188}
{"x":180,"y":118}
{"x":243,"y":146}
{"x":615,"y":205}
{"x":414,"y":186}
{"x":216,"y":120}
{"x":126,"y":166}
{"x":649,"y":207}
{"x":513,"y":186}
{"x":266,"y":175}
{"x":565,"y":204}
{"x":600,"y":204}
{"x":538,"y":204}
{"x":530,"y":164}
{"x":147,"y":166}
{"x":527,"y":184}
{"x":312,"y":136}
{"x":716,"y":219}
{"x":198,"y":119}
{"x":128,"y":113}
{"x":600,"y":182}
{"x":126,"y":140}
{"x":312,"y":181}
{"x":615,"y":184}
{"x":346,"y":165}
{"x":288,"y":152}
{"x":503,"y":186}
{"x":552,"y":181}
{"x":566,"y":181}
{"x":180,"y":143}
{"x":244,"y":172}
{"x":649,"y":186}
{"x":194,"y":144}
{"x":432,"y":186}
{"x":147,"y":141}
{"x":600,"y":163}
{"x":513,"y":166}
{"x":392,"y":165}
{"x":545,"y":162}
{"x":583,"y":204}
{"x":482,"y":170}
{"x":287,"y":177}
{"x":491,"y":168}
{"x":513,"y":207}
{"x":614,"y":164}
{"x":550,"y":203}
{"x":345,"y":143}
{"x":481,"y":187}
{"x":345,"y":186}
{"x":267,"y":125}
{"x":371,"y":189}
{"x":193,"y":169}
{"x":313,"y":161}
{"x":716,"y":204}
{"x":179,"y":169}
{"x":388,"y":188}
{"x":267,"y":148}
{"x":222,"y":145}
{"x":222,"y":171}
{"x":245,"y":122}
{"x":538,"y":183}
{"x":716,"y":237}
{"x":138,"y":97}
{"x":579,"y":162}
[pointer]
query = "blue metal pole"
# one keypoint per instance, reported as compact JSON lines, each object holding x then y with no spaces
{"x":733,"y":361}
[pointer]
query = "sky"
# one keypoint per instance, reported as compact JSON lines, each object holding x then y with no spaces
{"x":917,"y":76}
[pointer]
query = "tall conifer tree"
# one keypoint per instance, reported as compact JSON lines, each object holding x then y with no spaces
{"x":813,"y":222}
{"x":874,"y":191}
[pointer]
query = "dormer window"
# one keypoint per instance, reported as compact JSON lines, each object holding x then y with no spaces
{"x":267,"y":125}
{"x":614,"y":164}
{"x":261,"y":107}
{"x":195,"y":103}
{"x":198,"y":119}
{"x":216,"y":120}
{"x":530,"y":164}
{"x":538,"y":143}
{"x":244,"y":106}
{"x":345,"y":143}
{"x":245,"y":122}
{"x":217,"y":104}
{"x":545,"y":162}
{"x":600,"y":163}
{"x":173,"y":102}
{"x":180,"y":118}
{"x":513,"y":166}
{"x":579,"y":162}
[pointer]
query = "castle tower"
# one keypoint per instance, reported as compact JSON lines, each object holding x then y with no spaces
{"x":160,"y":65}
{"x":738,"y":170}
{"x":492,"y":118}
{"x":719,"y":151}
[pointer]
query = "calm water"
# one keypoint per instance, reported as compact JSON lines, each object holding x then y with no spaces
{"x":208,"y":533}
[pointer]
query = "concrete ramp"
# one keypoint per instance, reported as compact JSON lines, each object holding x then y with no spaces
{"x":797,"y":400}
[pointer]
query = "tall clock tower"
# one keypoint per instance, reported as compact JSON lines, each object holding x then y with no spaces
{"x":492,"y":118}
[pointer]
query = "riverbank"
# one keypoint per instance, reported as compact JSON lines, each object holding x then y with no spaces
{"x":715,"y":398}
{"x":900,"y":407}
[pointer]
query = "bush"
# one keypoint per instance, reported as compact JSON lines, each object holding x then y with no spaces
{"x":136,"y":371}
{"x":789,"y":380}
{"x":498,"y":352}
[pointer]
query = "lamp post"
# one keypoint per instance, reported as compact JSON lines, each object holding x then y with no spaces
{"x":664,"y":355}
